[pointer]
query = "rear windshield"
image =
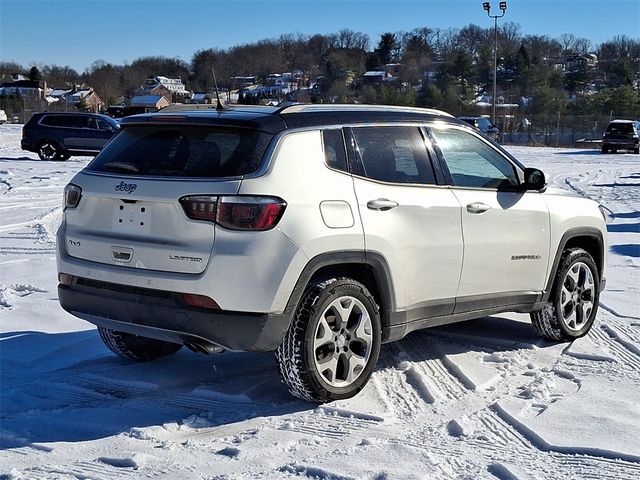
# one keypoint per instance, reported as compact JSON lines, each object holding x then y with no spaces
{"x":182,"y":151}
{"x":620,"y":128}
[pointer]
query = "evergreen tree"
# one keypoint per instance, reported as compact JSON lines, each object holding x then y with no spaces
{"x":34,"y":74}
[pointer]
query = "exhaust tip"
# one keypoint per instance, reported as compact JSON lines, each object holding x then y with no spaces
{"x":208,"y":349}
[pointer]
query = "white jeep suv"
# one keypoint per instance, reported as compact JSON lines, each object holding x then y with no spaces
{"x":318,"y":232}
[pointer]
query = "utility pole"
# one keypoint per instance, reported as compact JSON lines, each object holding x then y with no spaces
{"x":503,"y":8}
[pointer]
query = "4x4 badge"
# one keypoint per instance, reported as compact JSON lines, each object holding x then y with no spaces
{"x":126,"y":187}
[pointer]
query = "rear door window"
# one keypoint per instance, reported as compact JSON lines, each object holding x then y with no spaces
{"x":183,"y":151}
{"x":391,"y":154}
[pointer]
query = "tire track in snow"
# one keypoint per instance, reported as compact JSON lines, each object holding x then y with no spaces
{"x":415,"y":380}
{"x":622,"y":352}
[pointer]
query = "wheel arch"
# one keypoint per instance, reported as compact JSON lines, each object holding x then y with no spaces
{"x":591,"y":240}
{"x":370,"y":269}
{"x":50,"y":140}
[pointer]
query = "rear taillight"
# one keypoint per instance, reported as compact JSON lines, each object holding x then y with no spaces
{"x":72,"y":195}
{"x":235,"y":212}
{"x":201,"y":207}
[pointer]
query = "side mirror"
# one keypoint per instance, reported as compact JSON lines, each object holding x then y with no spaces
{"x":534,"y":179}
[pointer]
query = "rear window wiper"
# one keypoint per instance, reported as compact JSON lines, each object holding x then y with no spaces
{"x":121,"y":166}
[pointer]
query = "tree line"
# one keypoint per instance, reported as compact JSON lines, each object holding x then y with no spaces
{"x":458,"y":63}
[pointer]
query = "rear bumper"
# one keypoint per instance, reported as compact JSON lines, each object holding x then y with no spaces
{"x":28,"y":146}
{"x":620,"y":143}
{"x":161,"y":315}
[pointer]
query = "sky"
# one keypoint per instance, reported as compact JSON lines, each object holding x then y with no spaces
{"x":77,"y":33}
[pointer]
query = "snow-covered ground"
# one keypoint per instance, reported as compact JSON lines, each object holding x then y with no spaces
{"x":481,"y":400}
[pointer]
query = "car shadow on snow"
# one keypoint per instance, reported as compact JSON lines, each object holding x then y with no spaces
{"x":14,"y":159}
{"x":629,"y":249}
{"x":580,"y":152}
{"x":623,"y":227}
{"x":68,"y":387}
{"x":627,"y":214}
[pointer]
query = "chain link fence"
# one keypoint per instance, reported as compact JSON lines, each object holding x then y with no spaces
{"x":554,"y":130}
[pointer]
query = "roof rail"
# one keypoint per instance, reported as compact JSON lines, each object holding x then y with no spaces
{"x":192,"y":107}
{"x":185,"y":107}
{"x":335,"y":107}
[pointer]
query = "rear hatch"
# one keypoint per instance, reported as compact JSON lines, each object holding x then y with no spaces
{"x":132,"y":209}
{"x":622,"y":132}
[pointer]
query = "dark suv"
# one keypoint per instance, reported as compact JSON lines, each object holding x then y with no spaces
{"x":621,"y":135}
{"x":57,"y":136}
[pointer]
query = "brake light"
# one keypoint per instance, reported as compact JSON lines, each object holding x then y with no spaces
{"x":169,"y":119}
{"x":235,"y":212}
{"x":72,"y":196}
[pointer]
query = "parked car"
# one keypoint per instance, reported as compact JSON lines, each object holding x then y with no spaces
{"x":58,"y":136}
{"x":318,"y":232}
{"x":115,"y":111}
{"x":3,"y":116}
{"x":621,"y":135}
{"x":485,"y":126}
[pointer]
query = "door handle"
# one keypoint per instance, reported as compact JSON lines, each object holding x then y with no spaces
{"x":381,"y":204}
{"x":478,"y":207}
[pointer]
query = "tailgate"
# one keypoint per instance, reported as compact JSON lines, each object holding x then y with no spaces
{"x":139,"y":223}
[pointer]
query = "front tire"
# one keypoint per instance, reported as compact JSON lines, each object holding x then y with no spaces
{"x":49,"y":151}
{"x":333,"y":342}
{"x":133,"y":347}
{"x":573,"y":303}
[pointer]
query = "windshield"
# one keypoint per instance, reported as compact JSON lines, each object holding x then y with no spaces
{"x":182,"y":151}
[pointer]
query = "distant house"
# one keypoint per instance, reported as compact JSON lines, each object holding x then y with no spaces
{"x":374,"y":77}
{"x":161,"y":85}
{"x":393,"y":69}
{"x":203,"y":98}
{"x":30,"y":88}
{"x":243,"y":81}
{"x":75,"y":97}
{"x":12,"y":77}
{"x":88,"y":98}
{"x":275,"y":80}
{"x":150,"y":103}
{"x":581,"y":62}
{"x":158,"y":89}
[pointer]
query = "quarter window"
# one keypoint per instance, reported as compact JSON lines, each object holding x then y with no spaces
{"x":473,"y":163}
{"x":334,"y":153}
{"x":391,"y":154}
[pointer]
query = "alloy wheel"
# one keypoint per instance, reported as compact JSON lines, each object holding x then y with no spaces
{"x":577,"y":296}
{"x":48,"y":151}
{"x":342,"y":342}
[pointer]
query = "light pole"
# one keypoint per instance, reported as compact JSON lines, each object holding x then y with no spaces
{"x":503,"y":9}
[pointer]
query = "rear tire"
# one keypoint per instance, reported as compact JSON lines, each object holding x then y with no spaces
{"x":333,"y":342}
{"x":573,"y":304}
{"x":605,"y":149}
{"x":636,"y":150}
{"x":133,"y":347}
